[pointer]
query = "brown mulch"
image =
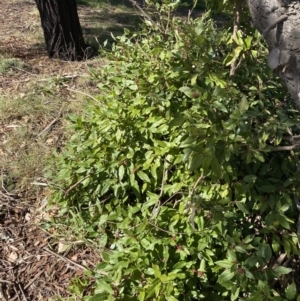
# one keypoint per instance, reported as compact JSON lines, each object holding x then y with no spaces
{"x":32,"y":265}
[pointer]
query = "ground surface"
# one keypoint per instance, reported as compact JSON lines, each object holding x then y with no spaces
{"x":35,"y":95}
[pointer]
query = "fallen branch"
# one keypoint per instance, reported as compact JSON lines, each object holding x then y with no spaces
{"x":48,"y":126}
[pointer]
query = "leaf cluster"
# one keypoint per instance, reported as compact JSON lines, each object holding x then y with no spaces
{"x":174,"y":170}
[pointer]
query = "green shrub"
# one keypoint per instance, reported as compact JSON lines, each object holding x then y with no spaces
{"x":176,"y":172}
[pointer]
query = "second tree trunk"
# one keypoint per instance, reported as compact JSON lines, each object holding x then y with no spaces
{"x":62,"y":30}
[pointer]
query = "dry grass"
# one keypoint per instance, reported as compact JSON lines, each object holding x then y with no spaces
{"x":36,"y":96}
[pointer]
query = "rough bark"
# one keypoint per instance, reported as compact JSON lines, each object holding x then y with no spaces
{"x":62,"y":30}
{"x":279,"y":23}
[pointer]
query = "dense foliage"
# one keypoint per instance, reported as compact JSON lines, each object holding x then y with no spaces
{"x":177,"y":170}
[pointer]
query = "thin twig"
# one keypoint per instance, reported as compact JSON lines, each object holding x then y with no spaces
{"x":2,"y":294}
{"x":77,"y":183}
{"x":196,"y":184}
{"x":134,"y":3}
{"x":49,"y":125}
{"x":6,"y":281}
{"x":81,"y":267}
{"x":83,"y":93}
{"x":24,"y":71}
{"x":22,"y":291}
{"x":171,"y":197}
{"x":7,"y":196}
{"x":34,"y":278}
{"x":285,"y":148}
{"x":17,"y":295}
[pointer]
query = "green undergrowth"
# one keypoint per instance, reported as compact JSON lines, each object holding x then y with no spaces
{"x":11,"y":65}
{"x":178,"y":173}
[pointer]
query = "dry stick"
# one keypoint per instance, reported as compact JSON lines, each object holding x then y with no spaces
{"x":285,"y":148}
{"x":22,"y":291}
{"x":83,"y":93}
{"x":77,"y":183}
{"x":71,"y":261}
{"x":50,"y":124}
{"x":6,"y":281}
{"x":2,"y":294}
{"x":6,"y":196}
{"x":24,"y":71}
{"x":34,"y":278}
{"x":81,"y":267}
{"x":17,"y":295}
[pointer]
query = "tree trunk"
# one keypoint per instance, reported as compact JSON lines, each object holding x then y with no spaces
{"x":62,"y":30}
{"x":279,"y":23}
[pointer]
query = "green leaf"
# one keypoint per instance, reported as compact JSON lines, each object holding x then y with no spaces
{"x":141,"y":296}
{"x":234,"y":293}
{"x":264,"y":251}
{"x":121,"y":172}
{"x":98,"y":297}
{"x":196,"y":162}
{"x":105,"y":256}
{"x":143,"y":176}
{"x":251,"y":261}
{"x":250,"y":178}
{"x":291,"y":291}
{"x":248,"y":238}
{"x":216,"y":167}
{"x":151,"y":291}
{"x":243,"y":105}
{"x":283,"y":221}
{"x":282,"y":270}
{"x":249,"y":274}
{"x":220,"y":106}
{"x":240,"y":249}
{"x":242,"y":207}
{"x":156,"y":270}
{"x":171,"y":298}
{"x":187,"y":91}
{"x":225,"y":264}
{"x":103,"y":286}
{"x":284,"y":208}
{"x":267,"y":188}
{"x":226,"y":276}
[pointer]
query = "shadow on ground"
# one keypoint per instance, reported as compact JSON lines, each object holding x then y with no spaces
{"x":108,"y":23}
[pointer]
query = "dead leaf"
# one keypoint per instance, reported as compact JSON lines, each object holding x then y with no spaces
{"x":12,"y":257}
{"x":28,"y":217}
{"x":62,"y":247}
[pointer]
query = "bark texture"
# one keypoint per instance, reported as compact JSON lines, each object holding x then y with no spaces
{"x":62,"y":30}
{"x":279,"y":23}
